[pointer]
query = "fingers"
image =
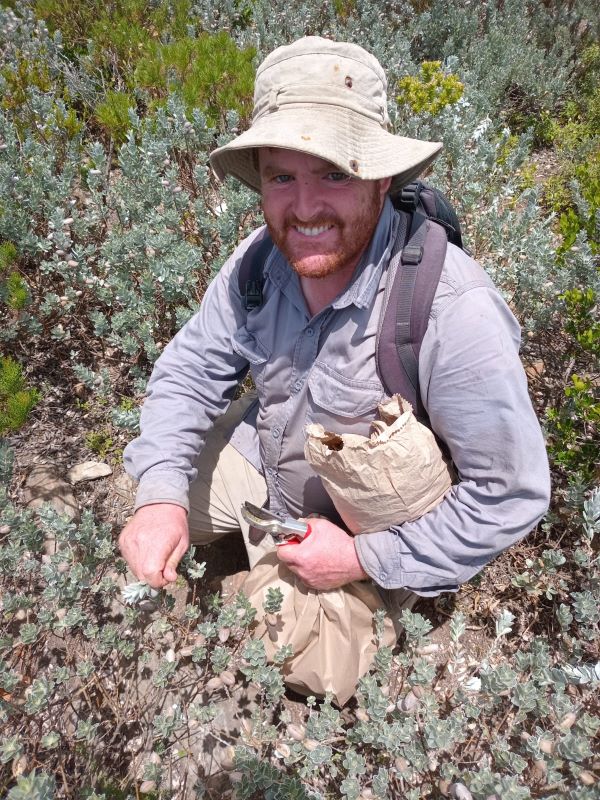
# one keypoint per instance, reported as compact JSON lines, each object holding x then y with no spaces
{"x":153,"y":543}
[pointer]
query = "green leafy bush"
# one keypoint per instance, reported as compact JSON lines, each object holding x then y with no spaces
{"x":16,"y":399}
{"x":210,"y":73}
{"x":113,"y":114}
{"x":431,"y":91}
{"x":574,"y":421}
{"x":13,"y":289}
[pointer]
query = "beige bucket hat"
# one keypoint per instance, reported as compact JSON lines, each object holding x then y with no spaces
{"x":327,"y":99}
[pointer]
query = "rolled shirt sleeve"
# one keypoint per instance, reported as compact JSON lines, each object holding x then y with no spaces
{"x":475,"y":390}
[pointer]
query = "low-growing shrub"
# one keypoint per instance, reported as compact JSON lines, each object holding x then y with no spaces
{"x":431,"y":91}
{"x":16,"y":398}
{"x":113,"y":114}
{"x":108,"y":666}
{"x":574,"y":420}
{"x":210,"y":72}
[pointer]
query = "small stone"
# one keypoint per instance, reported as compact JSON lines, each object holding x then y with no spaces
{"x":88,"y":471}
{"x":19,"y":765}
{"x":587,"y":778}
{"x":536,"y":369}
{"x":214,"y":684}
{"x":45,"y":485}
{"x":460,"y":792}
{"x":428,"y":649}
{"x":567,"y":721}
{"x":147,"y":786}
{"x":227,"y":677}
{"x":282,"y":750}
{"x":409,"y":703}
{"x":546,"y":746}
{"x":227,"y":758}
{"x":310,"y":744}
{"x":224,"y":634}
{"x":539,"y":771}
{"x":296,"y":732}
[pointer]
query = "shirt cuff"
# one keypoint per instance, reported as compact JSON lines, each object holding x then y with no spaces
{"x":378,"y":555}
{"x":163,"y":486}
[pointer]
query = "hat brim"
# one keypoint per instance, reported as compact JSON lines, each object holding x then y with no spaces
{"x":355,"y":144}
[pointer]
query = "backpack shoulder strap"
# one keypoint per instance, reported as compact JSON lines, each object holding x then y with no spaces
{"x":250,"y":273}
{"x":414,"y":273}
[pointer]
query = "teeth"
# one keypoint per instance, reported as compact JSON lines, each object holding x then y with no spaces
{"x":313,"y":231}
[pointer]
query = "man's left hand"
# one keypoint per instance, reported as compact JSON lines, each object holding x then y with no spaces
{"x":326,"y":559}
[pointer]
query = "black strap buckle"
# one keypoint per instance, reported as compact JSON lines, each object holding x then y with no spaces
{"x":409,"y":196}
{"x":253,"y":295}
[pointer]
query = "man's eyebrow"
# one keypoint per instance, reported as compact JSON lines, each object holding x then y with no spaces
{"x":269,"y":170}
{"x":272,"y":169}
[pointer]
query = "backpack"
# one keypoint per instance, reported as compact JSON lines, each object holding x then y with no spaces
{"x":413,"y":275}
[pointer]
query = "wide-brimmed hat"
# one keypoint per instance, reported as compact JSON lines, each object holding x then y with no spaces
{"x":327,"y":99}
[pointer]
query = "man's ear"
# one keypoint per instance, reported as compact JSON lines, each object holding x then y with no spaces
{"x":384,"y":186}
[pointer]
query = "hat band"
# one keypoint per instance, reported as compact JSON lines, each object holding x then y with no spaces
{"x":318,"y":94}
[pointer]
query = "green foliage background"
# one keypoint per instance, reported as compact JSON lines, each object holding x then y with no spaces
{"x":111,"y":226}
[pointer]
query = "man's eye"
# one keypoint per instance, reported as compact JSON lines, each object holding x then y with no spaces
{"x":338,"y":177}
{"x":282,"y":178}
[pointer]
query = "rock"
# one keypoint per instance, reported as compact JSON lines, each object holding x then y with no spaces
{"x":535,"y":370}
{"x":88,"y":471}
{"x":459,"y":791}
{"x":124,"y":485}
{"x":45,"y":485}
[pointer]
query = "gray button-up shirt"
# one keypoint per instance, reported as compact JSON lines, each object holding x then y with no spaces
{"x":322,"y":369}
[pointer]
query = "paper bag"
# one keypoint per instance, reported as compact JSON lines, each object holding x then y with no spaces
{"x":332,"y":633}
{"x":395,"y":475}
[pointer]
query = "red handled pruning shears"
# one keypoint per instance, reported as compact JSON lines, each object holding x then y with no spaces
{"x":287,"y":531}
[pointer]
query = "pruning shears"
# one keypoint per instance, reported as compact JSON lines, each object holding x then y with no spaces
{"x":286,"y":531}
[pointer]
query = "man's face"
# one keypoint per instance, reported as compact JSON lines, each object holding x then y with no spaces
{"x":320,"y":218}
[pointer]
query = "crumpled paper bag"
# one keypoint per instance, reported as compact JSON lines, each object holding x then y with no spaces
{"x":396,"y":474}
{"x":332,"y":633}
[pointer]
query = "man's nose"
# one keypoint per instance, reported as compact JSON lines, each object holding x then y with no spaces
{"x":307,"y":202}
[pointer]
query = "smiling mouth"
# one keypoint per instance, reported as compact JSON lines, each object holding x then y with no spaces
{"x":312,"y":231}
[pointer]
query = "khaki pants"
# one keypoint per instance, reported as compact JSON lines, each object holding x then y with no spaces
{"x":225,"y":480}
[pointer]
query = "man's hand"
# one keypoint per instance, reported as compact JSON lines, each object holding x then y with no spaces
{"x":154,"y":541}
{"x":326,"y":559}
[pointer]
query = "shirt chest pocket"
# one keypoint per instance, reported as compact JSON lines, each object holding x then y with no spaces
{"x":342,"y":404}
{"x":254,"y":352}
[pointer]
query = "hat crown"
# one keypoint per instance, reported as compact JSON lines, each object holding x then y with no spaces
{"x":316,"y":70}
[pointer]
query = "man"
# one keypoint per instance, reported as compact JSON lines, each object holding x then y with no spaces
{"x":320,"y":155}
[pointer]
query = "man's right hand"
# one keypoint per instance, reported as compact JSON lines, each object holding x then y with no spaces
{"x":154,"y":541}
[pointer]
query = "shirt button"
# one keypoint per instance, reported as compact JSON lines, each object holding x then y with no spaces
{"x":276,"y":433}
{"x":309,"y":331}
{"x":297,"y":386}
